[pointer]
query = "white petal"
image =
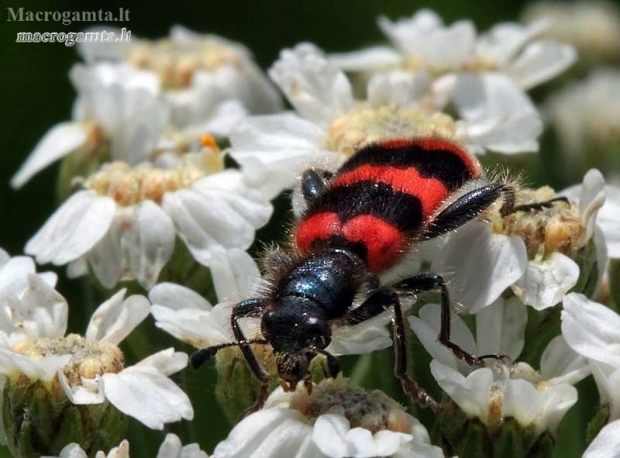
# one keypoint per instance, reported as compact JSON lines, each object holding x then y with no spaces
{"x":235,"y":275}
{"x":77,"y":268}
{"x":14,"y":273}
{"x":607,"y":378}
{"x":504,"y":40}
{"x":74,"y":229}
{"x":450,"y":48}
{"x":82,"y":395}
{"x":274,"y":150}
{"x":606,"y":443}
{"x":196,"y":327}
{"x":226,"y":116}
{"x":59,"y":141}
{"x":218,"y":212}
{"x":42,"y":310}
{"x":489,"y":96}
{"x":591,"y":199}
{"x":405,"y":89}
{"x":334,"y":437}
{"x":44,"y":369}
{"x":105,"y":258}
{"x":540,"y":62}
{"x":122,"y":451}
{"x":72,"y":450}
{"x":472,"y":393}
{"x":406,"y":32}
{"x":362,"y":338}
{"x":138,"y":245}
{"x":260,"y":95}
{"x":609,"y":221}
{"x":502,"y":328}
{"x":270,"y":432}
{"x":479,"y":265}
{"x":509,"y":134}
{"x":147,"y":395}
{"x":317,"y":89}
{"x":126,"y":105}
{"x":560,"y":364}
{"x":545,"y":282}
{"x":177,"y":297}
{"x":187,"y":316}
{"x":598,"y":204}
{"x":423,"y":37}
{"x":167,"y":361}
{"x":366,"y":59}
{"x":152,"y":244}
{"x":545,"y":408}
{"x":116,"y":318}
{"x":330,"y":435}
{"x":172,"y":448}
{"x":591,"y":329}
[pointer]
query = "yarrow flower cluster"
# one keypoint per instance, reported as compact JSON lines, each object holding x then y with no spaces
{"x":42,"y":368}
{"x":174,"y":152}
{"x":329,"y":120}
{"x":170,"y":448}
{"x":125,"y":220}
{"x":134,"y":99}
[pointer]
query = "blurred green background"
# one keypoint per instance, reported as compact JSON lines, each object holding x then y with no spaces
{"x":36,"y":93}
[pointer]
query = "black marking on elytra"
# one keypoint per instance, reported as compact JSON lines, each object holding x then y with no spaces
{"x":401,"y":210}
{"x":443,"y":165}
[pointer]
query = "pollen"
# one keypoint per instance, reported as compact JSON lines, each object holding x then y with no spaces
{"x":177,"y":63}
{"x":374,"y":410}
{"x":554,"y":229}
{"x":88,"y":358}
{"x":129,"y":186}
{"x":366,"y":124}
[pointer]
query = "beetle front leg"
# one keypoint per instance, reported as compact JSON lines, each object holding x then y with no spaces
{"x":378,"y":302}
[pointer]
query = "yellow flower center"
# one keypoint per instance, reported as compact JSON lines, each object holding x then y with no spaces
{"x":554,"y":229}
{"x":129,"y":186}
{"x":366,"y":124}
{"x":88,"y":358}
{"x":176,"y":63}
{"x":373,"y":410}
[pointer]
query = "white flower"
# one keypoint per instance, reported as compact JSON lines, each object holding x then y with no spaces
{"x":14,"y":273}
{"x":593,"y":27}
{"x":170,"y":448}
{"x":607,"y":217}
{"x":74,"y":450}
{"x":123,"y":224}
{"x":117,"y":105}
{"x":606,"y":443}
{"x":208,"y":82}
{"x":496,"y":256}
{"x":585,"y":116}
{"x":329,"y":124}
{"x":496,"y":67}
{"x":502,"y":390}
{"x":593,"y":331}
{"x":328,"y":423}
{"x":192,"y":319}
{"x":89,"y":368}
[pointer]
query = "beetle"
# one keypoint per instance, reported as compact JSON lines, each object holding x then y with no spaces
{"x":359,"y":222}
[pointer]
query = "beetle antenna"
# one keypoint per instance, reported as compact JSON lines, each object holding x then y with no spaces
{"x":203,"y":355}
